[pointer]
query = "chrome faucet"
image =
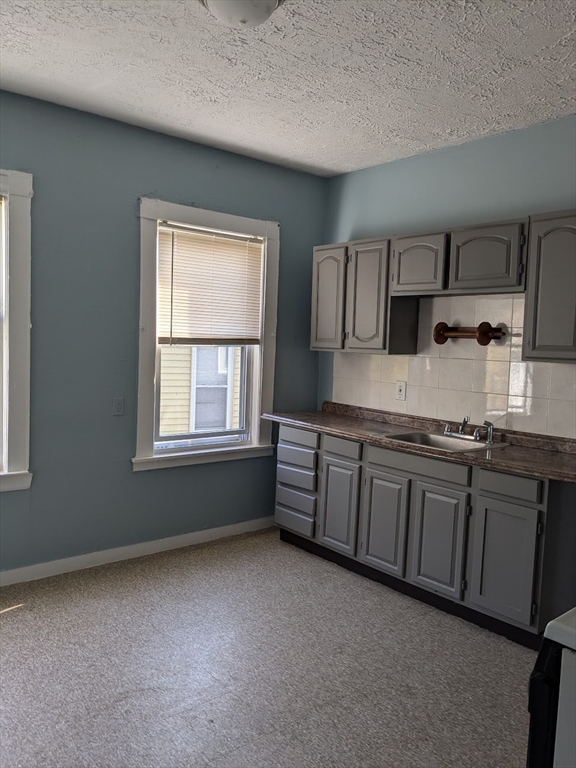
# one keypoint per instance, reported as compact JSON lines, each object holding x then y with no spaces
{"x":461,"y":428}
{"x":489,"y":432}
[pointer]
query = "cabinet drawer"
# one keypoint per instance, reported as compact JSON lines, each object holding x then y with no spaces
{"x":302,"y":457}
{"x":296,"y":500}
{"x":299,"y":436}
{"x":301,"y":478}
{"x":420,"y":465}
{"x":294,"y":521}
{"x":525,"y":488}
{"x":342,"y":447}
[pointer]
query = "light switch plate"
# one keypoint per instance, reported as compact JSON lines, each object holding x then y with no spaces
{"x":400,"y":390}
{"x":117,"y":406}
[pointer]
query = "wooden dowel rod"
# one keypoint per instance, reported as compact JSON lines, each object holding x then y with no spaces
{"x":483,"y":334}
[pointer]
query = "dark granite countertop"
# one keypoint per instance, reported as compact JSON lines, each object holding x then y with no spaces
{"x":539,"y":456}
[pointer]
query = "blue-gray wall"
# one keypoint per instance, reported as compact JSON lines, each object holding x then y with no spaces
{"x":88,"y":175}
{"x":517,"y":173}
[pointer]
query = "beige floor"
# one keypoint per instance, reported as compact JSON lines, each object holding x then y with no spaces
{"x":249,"y":653}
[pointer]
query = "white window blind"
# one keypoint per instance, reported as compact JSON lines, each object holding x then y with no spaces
{"x":209,"y":287}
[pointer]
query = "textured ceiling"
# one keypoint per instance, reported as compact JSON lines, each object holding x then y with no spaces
{"x":326,"y":86}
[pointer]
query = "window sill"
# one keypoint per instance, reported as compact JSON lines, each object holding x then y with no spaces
{"x":15,"y":481}
{"x":142,"y":463}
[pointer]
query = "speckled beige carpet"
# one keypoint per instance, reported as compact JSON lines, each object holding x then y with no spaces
{"x":249,"y":653}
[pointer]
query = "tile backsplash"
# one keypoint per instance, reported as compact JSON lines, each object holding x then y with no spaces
{"x":461,"y":378}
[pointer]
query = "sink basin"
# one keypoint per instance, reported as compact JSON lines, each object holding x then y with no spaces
{"x":444,"y":442}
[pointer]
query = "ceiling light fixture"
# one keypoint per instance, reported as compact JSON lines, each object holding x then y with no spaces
{"x":242,"y":14}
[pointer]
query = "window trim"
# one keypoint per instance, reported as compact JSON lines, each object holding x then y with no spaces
{"x":151,"y":212}
{"x":16,"y":188}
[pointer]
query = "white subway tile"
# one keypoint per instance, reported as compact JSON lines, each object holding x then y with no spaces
{"x":453,"y":404}
{"x":350,"y":365}
{"x":516,"y":338}
{"x":357,"y":392}
{"x":427,"y":347}
{"x":422,"y":401}
{"x":388,"y":400}
{"x":394,"y":368}
{"x":498,"y":349}
{"x":441,"y":309}
{"x":458,"y":349}
{"x":562,"y":418}
{"x":518,"y":311}
{"x":462,"y":311}
{"x":494,"y":309}
{"x":562,"y":381}
{"x":423,"y":371}
{"x":527,"y":414}
{"x":455,"y":374}
{"x":488,"y":407}
{"x":490,"y":376}
{"x":530,"y":379}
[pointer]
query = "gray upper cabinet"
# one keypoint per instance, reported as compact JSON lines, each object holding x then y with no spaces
{"x":418,"y":264}
{"x":504,"y":558}
{"x":550,"y":314}
{"x":339,"y":505}
{"x":367,"y":296}
{"x":351,"y":307}
{"x":437,"y":539}
{"x":384,"y":521}
{"x":488,"y":259}
{"x":328,"y":294}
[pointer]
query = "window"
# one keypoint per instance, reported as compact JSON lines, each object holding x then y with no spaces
{"x":207,"y":335}
{"x":15,"y":200}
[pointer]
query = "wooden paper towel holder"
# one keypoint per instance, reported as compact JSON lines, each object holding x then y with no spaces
{"x":483,"y":334}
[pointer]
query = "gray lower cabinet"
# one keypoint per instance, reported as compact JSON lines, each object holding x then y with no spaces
{"x":418,"y":264}
{"x":338,"y":512}
{"x":437,"y":539}
{"x":504,"y":558}
{"x":503,"y":544}
{"x":367,"y":296}
{"x":550,"y":314}
{"x":384,"y":521}
{"x":328,"y":295}
{"x":488,"y":259}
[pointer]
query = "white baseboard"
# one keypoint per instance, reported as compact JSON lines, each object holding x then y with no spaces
{"x":54,"y":567}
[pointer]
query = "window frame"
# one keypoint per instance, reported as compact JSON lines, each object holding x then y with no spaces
{"x":17,"y":190}
{"x":153,"y":211}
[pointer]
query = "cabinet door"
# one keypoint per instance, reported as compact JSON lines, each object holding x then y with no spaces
{"x":339,"y":505}
{"x":384,"y":522}
{"x":418,"y":264}
{"x":439,"y":516}
{"x":328,"y":292}
{"x":550,"y":315}
{"x":504,"y":558}
{"x":487,"y":258}
{"x":367,"y":296}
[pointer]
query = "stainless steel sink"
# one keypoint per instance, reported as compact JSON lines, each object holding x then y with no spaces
{"x":445,"y":442}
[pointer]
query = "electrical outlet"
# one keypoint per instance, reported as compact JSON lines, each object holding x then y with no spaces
{"x":117,"y":406}
{"x":400,"y":390}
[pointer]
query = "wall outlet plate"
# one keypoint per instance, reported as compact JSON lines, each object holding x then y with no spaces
{"x":400,"y":390}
